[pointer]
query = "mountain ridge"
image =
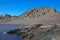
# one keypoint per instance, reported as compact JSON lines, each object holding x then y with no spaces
{"x":37,"y":12}
{"x":34,"y":16}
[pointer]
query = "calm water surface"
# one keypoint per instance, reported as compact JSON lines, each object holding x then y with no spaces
{"x":4,"y":28}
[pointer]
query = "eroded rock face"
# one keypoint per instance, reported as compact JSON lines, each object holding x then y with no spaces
{"x":39,"y":12}
{"x":53,"y":10}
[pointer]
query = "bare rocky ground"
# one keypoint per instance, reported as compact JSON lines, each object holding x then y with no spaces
{"x":38,"y":32}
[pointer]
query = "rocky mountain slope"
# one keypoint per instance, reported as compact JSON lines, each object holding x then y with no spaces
{"x":39,"y":12}
{"x":34,"y":16}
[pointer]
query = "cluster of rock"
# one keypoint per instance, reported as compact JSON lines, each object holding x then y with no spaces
{"x":36,"y":32}
{"x":39,"y":12}
{"x":6,"y":16}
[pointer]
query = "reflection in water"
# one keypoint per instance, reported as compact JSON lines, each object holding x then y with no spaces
{"x":4,"y":36}
{"x":5,"y":28}
{"x":53,"y":38}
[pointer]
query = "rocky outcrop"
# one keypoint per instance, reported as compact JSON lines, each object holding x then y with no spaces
{"x":36,"y":32}
{"x":5,"y":16}
{"x":39,"y":12}
{"x":53,"y":10}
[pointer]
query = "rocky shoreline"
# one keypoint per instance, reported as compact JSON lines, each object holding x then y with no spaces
{"x":37,"y":32}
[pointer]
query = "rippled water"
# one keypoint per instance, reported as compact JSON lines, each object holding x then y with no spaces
{"x":5,"y":28}
{"x":52,"y":38}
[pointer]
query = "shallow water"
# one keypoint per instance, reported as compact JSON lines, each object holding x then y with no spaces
{"x":53,"y":38}
{"x":5,"y":28}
